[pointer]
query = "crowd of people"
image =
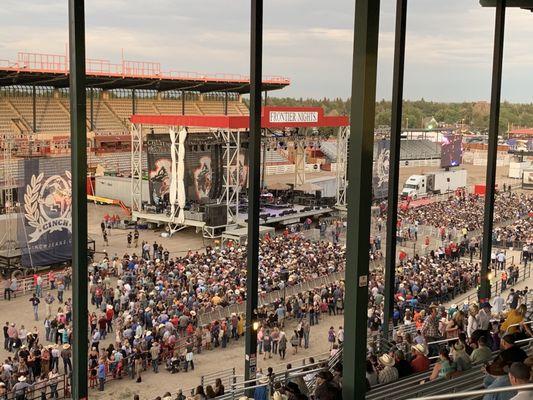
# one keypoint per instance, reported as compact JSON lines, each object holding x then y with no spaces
{"x":465,"y":211}
{"x":517,"y":233}
{"x":471,"y":334}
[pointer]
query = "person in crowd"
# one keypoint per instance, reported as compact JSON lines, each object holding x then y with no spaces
{"x":401,"y":364}
{"x":519,"y":374}
{"x":444,"y":367}
{"x":388,"y":373}
{"x":499,"y":377}
{"x":326,"y":388}
{"x":420,"y":362}
{"x":482,"y":353}
{"x":460,"y":358}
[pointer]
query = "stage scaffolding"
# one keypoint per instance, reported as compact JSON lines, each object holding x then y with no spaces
{"x":231,"y":185}
{"x":343,"y":136}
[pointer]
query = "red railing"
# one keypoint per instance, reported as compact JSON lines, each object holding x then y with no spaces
{"x":40,"y":62}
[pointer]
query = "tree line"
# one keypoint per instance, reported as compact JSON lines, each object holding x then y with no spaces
{"x":416,"y":114}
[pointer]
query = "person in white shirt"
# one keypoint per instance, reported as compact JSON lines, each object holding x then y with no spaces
{"x":498,"y":304}
{"x":472,"y":320}
{"x":340,"y":335}
{"x":483,"y":317}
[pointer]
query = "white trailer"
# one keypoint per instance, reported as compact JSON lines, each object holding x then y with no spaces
{"x":418,"y":186}
{"x":118,"y":188}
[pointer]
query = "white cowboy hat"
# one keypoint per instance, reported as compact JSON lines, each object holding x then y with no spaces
{"x":193,"y":313}
{"x":262,"y":379}
{"x":386,"y":360}
{"x":420,"y":348}
{"x":22,"y":378}
{"x":66,"y":346}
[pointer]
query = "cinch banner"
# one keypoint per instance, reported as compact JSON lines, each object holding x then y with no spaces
{"x":46,"y":211}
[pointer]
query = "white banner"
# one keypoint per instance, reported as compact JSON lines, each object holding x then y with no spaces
{"x":292,"y":116}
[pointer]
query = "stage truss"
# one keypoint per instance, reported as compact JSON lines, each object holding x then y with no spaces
{"x":343,"y":136}
{"x":228,"y":131}
{"x":300,"y":142}
{"x":231,"y":186}
{"x":231,"y":143}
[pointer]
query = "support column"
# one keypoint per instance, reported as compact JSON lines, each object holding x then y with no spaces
{"x":78,"y":129}
{"x":92,"y":109}
{"x":133,"y":102}
{"x":266,"y":97}
{"x":34,"y":109}
{"x":225,"y":103}
{"x":394,"y":161}
{"x":182,"y":102}
{"x":252,"y":262}
{"x":299,"y":157}
{"x":359,"y":195}
{"x":497,"y":65}
{"x":264,"y":147}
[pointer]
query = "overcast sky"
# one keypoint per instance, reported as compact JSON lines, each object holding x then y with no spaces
{"x":448,"y":58}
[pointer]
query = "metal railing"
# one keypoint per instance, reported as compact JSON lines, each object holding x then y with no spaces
{"x":477,"y":393}
{"x":26,"y":286}
{"x":59,"y":386}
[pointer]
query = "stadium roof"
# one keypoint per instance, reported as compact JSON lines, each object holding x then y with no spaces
{"x":51,"y":70}
{"x":525,"y":4}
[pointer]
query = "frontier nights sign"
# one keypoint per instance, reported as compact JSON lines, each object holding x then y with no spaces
{"x":292,"y":116}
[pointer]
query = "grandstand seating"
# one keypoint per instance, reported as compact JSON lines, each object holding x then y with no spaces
{"x":274,"y":157}
{"x":329,"y":148}
{"x":409,"y":150}
{"x":110,"y":115}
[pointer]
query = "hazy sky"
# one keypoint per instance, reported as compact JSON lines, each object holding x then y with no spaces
{"x":448,"y":58}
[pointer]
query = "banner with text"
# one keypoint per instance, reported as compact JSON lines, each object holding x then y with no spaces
{"x":46,"y":210}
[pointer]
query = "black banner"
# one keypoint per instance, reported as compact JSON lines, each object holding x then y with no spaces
{"x":159,"y":166}
{"x":46,"y":210}
{"x":203,"y":166}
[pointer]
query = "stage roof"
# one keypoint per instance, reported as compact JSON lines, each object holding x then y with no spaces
{"x":52,"y":70}
{"x":272,"y":117}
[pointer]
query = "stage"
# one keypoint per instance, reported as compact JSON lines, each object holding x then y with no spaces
{"x":277,"y":218}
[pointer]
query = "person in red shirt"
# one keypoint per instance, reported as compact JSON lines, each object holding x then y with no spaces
{"x":420,"y":362}
{"x":109,"y":313}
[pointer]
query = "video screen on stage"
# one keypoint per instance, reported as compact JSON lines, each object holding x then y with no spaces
{"x":451,"y":151}
{"x":204,"y":167}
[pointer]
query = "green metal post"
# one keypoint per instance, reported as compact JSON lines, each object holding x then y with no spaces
{"x":79,"y":197}
{"x":497,"y":66}
{"x":359,"y":196}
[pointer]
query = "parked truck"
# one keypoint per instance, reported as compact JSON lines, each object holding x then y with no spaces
{"x":433,"y":183}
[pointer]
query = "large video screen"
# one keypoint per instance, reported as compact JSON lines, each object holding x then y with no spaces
{"x":451,"y":151}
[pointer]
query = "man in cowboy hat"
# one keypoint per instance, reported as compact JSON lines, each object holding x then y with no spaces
{"x":420,"y":361}
{"x":20,"y":388}
{"x":66,"y":354}
{"x":389,"y":373}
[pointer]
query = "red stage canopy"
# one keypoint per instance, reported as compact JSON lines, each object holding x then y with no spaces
{"x":272,"y":117}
